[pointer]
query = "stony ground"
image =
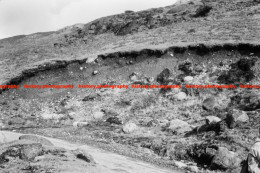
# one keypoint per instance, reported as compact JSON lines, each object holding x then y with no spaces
{"x":197,"y":130}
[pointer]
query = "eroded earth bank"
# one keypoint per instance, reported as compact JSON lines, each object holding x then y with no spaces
{"x":197,"y":130}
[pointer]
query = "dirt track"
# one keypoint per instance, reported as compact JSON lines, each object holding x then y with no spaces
{"x":107,"y":161}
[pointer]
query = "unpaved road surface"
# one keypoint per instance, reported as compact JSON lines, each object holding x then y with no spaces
{"x":107,"y":161}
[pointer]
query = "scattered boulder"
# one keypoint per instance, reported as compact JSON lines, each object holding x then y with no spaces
{"x":180,"y":96}
{"x":37,"y":139}
{"x":98,"y":115}
{"x":225,"y":159}
{"x":209,"y":103}
{"x":234,"y":117}
{"x":179,"y":126}
{"x":163,"y":77}
{"x":130,"y":127}
{"x":212,"y":119}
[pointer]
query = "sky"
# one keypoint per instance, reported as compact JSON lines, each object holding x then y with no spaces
{"x":18,"y":17}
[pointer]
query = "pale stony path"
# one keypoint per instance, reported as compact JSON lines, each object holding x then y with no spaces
{"x":107,"y":161}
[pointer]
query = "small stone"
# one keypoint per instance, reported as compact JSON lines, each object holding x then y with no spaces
{"x":188,"y":79}
{"x":179,"y":126}
{"x":180,"y":96}
{"x":172,"y":54}
{"x":98,"y":115}
{"x":81,"y":68}
{"x":130,"y":127}
{"x":95,"y":72}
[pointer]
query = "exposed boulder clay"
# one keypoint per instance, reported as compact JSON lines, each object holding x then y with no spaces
{"x":240,"y":73}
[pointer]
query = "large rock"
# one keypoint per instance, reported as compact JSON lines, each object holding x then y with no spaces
{"x":212,"y":119}
{"x":24,"y":151}
{"x":209,"y":103}
{"x":130,"y":127}
{"x":179,"y":126}
{"x":225,"y":159}
{"x":235,"y":117}
{"x":30,"y":151}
